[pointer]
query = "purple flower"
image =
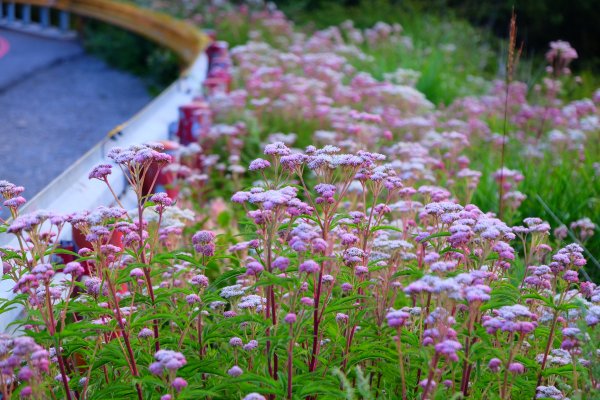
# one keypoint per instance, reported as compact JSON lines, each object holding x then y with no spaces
{"x":240,"y":197}
{"x":156,"y":368}
{"x":179,"y":383}
{"x":192,"y":298}
{"x":307,"y":301}
{"x":510,"y":319}
{"x":207,"y":250}
{"x":397,"y":318}
{"x":235,"y":371}
{"x":309,"y":267}
{"x":93,"y":285}
{"x":15,"y":202}
{"x":162,"y":199}
{"x":28,"y":391}
{"x":199,"y":280}
{"x":204,"y":243}
{"x":251,"y":345}
{"x":516,"y":368}
{"x":292,"y":161}
{"x":549,"y":392}
{"x":74,"y":268}
{"x":203,"y":237}
{"x":477,"y":293}
{"x":353,"y":255}
{"x":167,"y":359}
{"x":277,"y":149}
{"x":259,"y":164}
{"x":494,"y":364}
{"x":252,"y":301}
{"x":319,"y":245}
{"x":425,"y":382}
{"x":136,"y":273}
{"x":290,"y":318}
{"x":235,"y":342}
{"x":100,"y":171}
{"x":326,"y":193}
{"x":443,"y":266}
{"x":254,"y":268}
{"x":592,"y":317}
{"x":281,"y":263}
{"x":571,"y":276}
{"x":145,"y":333}
{"x":361,"y":270}
{"x":341,"y":318}
{"x":25,"y":374}
{"x":349,"y":239}
{"x":254,"y":396}
{"x":448,"y":348}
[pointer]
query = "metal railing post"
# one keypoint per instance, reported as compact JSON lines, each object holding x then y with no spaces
{"x":10,"y":12}
{"x":45,"y":17}
{"x":64,"y":21}
{"x":26,"y":13}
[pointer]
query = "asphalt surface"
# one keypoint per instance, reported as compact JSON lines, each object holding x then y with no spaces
{"x":56,"y":103}
{"x":22,"y":55}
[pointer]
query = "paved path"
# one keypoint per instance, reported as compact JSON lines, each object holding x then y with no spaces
{"x":22,"y":54}
{"x":55,"y":104}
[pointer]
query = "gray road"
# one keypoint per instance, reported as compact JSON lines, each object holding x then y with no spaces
{"x":55,"y":104}
{"x":27,"y":54}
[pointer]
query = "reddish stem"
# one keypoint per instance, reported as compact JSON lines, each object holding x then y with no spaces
{"x":290,"y":364}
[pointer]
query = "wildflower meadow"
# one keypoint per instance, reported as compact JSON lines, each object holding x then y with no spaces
{"x":338,"y":231}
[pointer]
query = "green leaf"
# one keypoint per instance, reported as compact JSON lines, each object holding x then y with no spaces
{"x":436,"y":235}
{"x":387,"y":228}
{"x":226,"y":276}
{"x":224,"y":219}
{"x":502,"y":294}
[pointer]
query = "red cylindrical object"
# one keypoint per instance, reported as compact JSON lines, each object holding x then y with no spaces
{"x":218,"y":53}
{"x":186,"y":130}
{"x":217,"y":84}
{"x":203,"y":117}
{"x":194,"y":121}
{"x":81,"y":242}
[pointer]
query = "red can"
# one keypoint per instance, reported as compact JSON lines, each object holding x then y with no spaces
{"x":194,"y":121}
{"x":80,"y":242}
{"x":218,"y":55}
{"x":217,"y":85}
